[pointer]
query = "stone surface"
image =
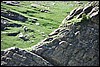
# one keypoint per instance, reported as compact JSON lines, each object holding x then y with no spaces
{"x":55,"y":32}
{"x":44,"y":10}
{"x":13,"y":3}
{"x":94,"y":17}
{"x":23,"y":37}
{"x":13,"y":33}
{"x":87,"y":9}
{"x":13,"y":15}
{"x":4,"y":23}
{"x":18,"y":57}
{"x":75,"y":44}
{"x":14,"y":25}
{"x":74,"y":13}
{"x":72,"y":48}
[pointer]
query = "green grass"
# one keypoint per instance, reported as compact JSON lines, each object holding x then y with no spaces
{"x":48,"y":21}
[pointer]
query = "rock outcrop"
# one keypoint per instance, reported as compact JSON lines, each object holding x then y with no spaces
{"x":74,"y":43}
{"x":19,"y":57}
{"x":13,"y":15}
{"x":4,"y":24}
{"x":13,"y":3}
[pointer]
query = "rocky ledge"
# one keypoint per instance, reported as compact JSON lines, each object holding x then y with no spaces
{"x":74,"y":43}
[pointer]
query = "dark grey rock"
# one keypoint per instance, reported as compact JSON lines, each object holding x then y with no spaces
{"x":13,"y":3}
{"x":13,"y":33}
{"x":73,"y":11}
{"x":76,"y":12}
{"x":55,"y":32}
{"x":75,"y":44}
{"x":13,"y":16}
{"x":4,"y":24}
{"x":94,"y":17}
{"x":87,"y":9}
{"x":14,"y":25}
{"x":48,"y":39}
{"x":63,"y":44}
{"x":80,"y":15}
{"x":94,"y":10}
{"x":34,"y":20}
{"x":24,"y":58}
{"x":46,"y":11}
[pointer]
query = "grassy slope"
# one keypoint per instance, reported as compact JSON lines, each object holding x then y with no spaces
{"x":47,"y":20}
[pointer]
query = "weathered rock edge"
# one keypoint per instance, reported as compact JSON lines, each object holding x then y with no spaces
{"x":69,"y":45}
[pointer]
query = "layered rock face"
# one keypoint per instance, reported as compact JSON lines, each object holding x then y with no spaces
{"x":19,"y":57}
{"x":75,"y":44}
{"x":72,"y":44}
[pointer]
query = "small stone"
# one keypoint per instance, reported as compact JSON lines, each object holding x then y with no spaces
{"x":37,"y":24}
{"x":43,"y":35}
{"x":32,"y":41}
{"x":21,"y":35}
{"x":92,"y":28}
{"x":34,"y":20}
{"x":44,"y":11}
{"x":25,"y":28}
{"x":70,"y":44}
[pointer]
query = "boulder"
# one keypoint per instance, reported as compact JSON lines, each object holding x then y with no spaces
{"x":19,"y":57}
